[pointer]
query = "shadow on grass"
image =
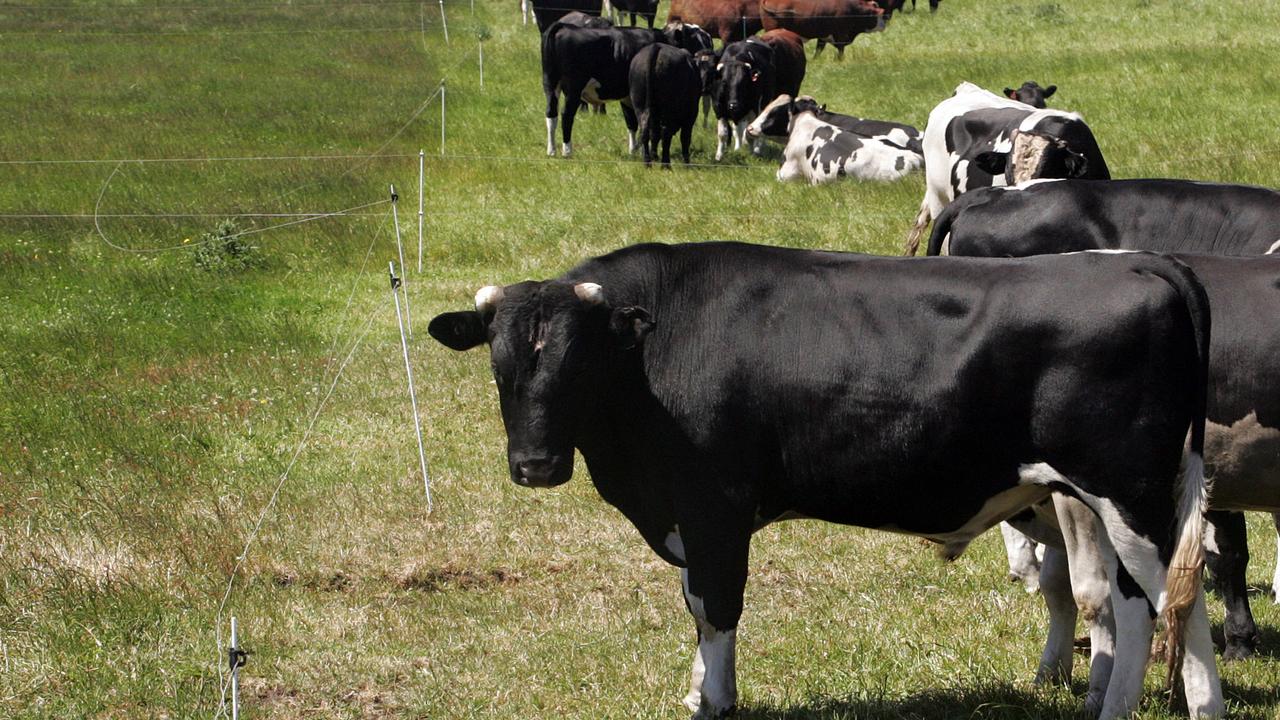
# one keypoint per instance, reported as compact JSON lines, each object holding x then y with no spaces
{"x":1000,"y":701}
{"x":993,"y":700}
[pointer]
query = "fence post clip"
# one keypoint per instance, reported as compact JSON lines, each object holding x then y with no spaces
{"x":395,"y":281}
{"x":237,"y":658}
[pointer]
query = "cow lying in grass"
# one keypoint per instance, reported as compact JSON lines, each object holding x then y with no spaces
{"x":819,"y":150}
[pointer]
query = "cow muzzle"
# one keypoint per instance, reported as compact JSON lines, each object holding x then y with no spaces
{"x":541,"y":470}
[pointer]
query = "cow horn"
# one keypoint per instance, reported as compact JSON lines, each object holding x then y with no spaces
{"x":487,"y":299}
{"x":589,"y":293}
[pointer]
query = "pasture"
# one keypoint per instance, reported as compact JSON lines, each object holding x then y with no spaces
{"x":152,"y":402}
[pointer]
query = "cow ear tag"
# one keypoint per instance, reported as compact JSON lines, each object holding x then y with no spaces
{"x":755,"y":77}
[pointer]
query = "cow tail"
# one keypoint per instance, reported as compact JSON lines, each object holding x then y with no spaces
{"x":941,"y":227}
{"x":1182,"y":586}
{"x":917,"y":230}
{"x":646,"y":123}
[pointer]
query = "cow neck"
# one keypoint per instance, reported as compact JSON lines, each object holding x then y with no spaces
{"x":621,"y":437}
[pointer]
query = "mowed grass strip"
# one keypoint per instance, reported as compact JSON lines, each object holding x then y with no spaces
{"x":149,"y":406}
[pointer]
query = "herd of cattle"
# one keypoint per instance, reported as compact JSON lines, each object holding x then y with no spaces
{"x":660,"y":75}
{"x":1115,"y":398}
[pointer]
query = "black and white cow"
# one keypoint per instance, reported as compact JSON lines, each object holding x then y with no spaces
{"x":706,"y":61}
{"x":976,"y":138}
{"x":593,"y":64}
{"x":665,"y":87}
{"x":773,"y":124}
{"x":711,"y":390}
{"x":1182,"y":216}
{"x":818,"y":151}
{"x":1031,"y":93}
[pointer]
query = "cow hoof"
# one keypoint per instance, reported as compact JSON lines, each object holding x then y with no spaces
{"x":705,"y":713}
{"x":567,"y":150}
{"x":692,"y":701}
{"x":1237,"y":651}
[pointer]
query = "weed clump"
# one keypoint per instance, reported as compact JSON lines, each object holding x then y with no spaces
{"x":224,"y":250}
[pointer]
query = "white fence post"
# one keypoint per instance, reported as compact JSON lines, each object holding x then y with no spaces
{"x":444,"y":23}
{"x":413,"y":398}
{"x":421,"y":182}
{"x":404,"y":287}
{"x":237,"y":658}
{"x":442,"y":118}
{"x":480,"y":45}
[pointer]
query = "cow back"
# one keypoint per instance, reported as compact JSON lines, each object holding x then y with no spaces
{"x":839,"y":20}
{"x":788,"y":60}
{"x":729,"y":20}
{"x":547,"y":12}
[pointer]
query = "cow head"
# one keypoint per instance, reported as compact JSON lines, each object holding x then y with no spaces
{"x":740,"y":88}
{"x":1031,"y":94}
{"x":706,"y":62}
{"x":1034,"y":155}
{"x":549,"y":346}
{"x":774,"y":121}
{"x":687,"y":36}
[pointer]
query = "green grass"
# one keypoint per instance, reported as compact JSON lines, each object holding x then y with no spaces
{"x":148,"y":407}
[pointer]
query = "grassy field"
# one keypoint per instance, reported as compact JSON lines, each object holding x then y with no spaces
{"x":151,"y":402}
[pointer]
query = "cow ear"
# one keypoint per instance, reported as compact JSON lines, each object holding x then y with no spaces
{"x":1050,"y":90}
{"x":1009,"y":93}
{"x":1077,"y":165}
{"x":459,"y":330}
{"x":992,"y":163}
{"x":629,"y":325}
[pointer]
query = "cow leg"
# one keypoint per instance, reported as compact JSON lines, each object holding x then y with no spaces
{"x":1138,"y":575}
{"x":667,"y":136}
{"x":629,"y":117}
{"x":714,"y":582}
{"x":1024,"y":566}
{"x":566,"y":118}
{"x":553,"y":106}
{"x":1275,"y":579}
{"x":1059,"y":648}
{"x":1227,"y":558}
{"x":686,"y":139}
{"x":840,"y":50}
{"x":1091,"y":589}
{"x":722,"y":137}
{"x":706,"y":120}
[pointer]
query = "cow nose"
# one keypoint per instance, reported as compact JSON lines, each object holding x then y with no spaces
{"x":536,"y":471}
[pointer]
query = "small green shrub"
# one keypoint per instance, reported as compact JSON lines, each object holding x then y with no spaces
{"x":224,"y":250}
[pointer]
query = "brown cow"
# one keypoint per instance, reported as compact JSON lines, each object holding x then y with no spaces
{"x":729,"y":20}
{"x":835,"y":21}
{"x":788,"y":60}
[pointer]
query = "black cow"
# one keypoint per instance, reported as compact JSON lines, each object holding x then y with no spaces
{"x":714,"y":388}
{"x":773,"y":122}
{"x":1070,"y":215}
{"x":592,"y":65}
{"x":547,"y":12}
{"x":976,"y":138}
{"x":646,"y":9}
{"x":745,"y":83}
{"x":706,"y":61}
{"x":1185,"y":217}
{"x":664,"y":94}
{"x":687,"y":36}
{"x":1031,"y":93}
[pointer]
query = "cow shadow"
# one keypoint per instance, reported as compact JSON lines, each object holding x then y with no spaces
{"x":959,"y":702}
{"x":997,"y":701}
